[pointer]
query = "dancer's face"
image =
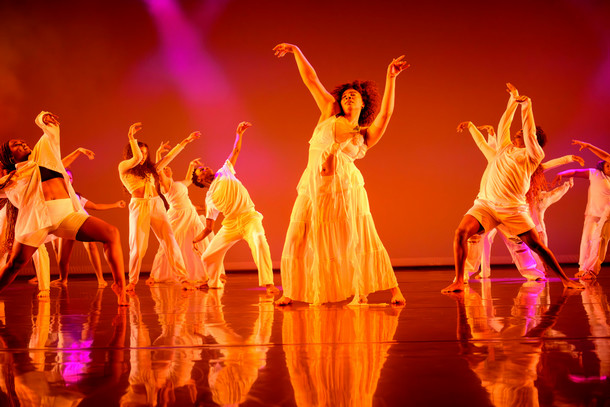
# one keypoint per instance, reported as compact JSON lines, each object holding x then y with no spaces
{"x":168,"y":172}
{"x":607,"y":168}
{"x":144,"y":154}
{"x":20,"y":149}
{"x":204,"y":175}
{"x":351,"y":100}
{"x":517,"y":139}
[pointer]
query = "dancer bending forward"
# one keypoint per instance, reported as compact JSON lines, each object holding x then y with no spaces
{"x":227,"y":194}
{"x":332,"y":250}
{"x":501,"y":200}
{"x":39,"y":187}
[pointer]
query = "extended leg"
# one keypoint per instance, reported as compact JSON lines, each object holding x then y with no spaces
{"x":467,"y":227}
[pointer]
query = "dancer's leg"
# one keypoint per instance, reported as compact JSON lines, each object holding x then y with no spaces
{"x":467,"y":227}
{"x":524,"y":258}
{"x":94,"y":258}
{"x":20,"y":256}
{"x":96,"y":230}
{"x":254,"y":235}
{"x":139,"y":229}
{"x":42,"y":266}
{"x":213,"y":257}
{"x":585,"y":242}
{"x":532,"y":239}
{"x":598,"y":248}
{"x":488,"y":240}
{"x":64,"y":252}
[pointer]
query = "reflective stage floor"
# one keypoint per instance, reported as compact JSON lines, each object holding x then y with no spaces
{"x":504,"y":342}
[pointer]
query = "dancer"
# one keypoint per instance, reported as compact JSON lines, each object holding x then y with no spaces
{"x":227,"y":194}
{"x":146,"y":210}
{"x":502,"y":200}
{"x":185,"y":223}
{"x":332,"y":250}
{"x":38,"y":185}
{"x":596,"y":228}
{"x":63,"y":247}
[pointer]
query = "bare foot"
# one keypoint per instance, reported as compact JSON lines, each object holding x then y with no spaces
{"x":271,"y":289}
{"x":121,"y":295}
{"x":202,"y":285}
{"x":59,"y":282}
{"x":588,"y":275}
{"x":223,"y":278}
{"x":454,"y":287}
{"x":33,"y":280}
{"x":130,"y":287}
{"x":580,"y":273}
{"x":43,"y":294}
{"x":187,"y":286}
{"x":283,"y":301}
{"x":150,"y":281}
{"x":102,"y":284}
{"x":573,"y":285}
{"x":398,"y":299}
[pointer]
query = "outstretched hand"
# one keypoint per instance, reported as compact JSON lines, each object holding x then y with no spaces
{"x":193,"y":136}
{"x":579,"y":160}
{"x":490,"y":129}
{"x":196,"y":163}
{"x":120,"y":204}
{"x":50,"y":119}
{"x":164,"y":147}
{"x":282,"y":49}
{"x":510,"y":88}
{"x":397,"y":66}
{"x":90,"y":154}
{"x":463,"y":126}
{"x":242,"y":127}
{"x":133,"y":129}
{"x":580,"y":144}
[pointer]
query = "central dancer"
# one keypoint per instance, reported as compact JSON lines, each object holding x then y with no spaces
{"x":332,"y":250}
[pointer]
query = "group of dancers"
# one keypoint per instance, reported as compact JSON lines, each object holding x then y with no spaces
{"x":332,"y":250}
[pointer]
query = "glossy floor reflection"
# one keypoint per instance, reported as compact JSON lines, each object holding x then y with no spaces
{"x":504,"y":342}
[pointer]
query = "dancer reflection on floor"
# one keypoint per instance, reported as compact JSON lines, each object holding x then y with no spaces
{"x":596,"y":228}
{"x":38,"y":185}
{"x":146,"y":211}
{"x":502,"y":200}
{"x":332,"y":250}
{"x":228,"y":195}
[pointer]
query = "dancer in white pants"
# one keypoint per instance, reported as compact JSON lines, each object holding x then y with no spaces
{"x":227,"y":194}
{"x":146,"y":209}
{"x":502,"y":198}
{"x":596,"y":229}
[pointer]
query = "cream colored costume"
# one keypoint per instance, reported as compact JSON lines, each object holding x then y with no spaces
{"x":241,"y":221}
{"x":332,"y":249}
{"x":146,"y":213}
{"x":596,"y":228}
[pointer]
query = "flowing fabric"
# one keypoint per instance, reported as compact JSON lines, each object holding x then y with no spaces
{"x":332,"y":249}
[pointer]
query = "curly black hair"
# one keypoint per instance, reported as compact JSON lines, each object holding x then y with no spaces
{"x":141,"y":170}
{"x":600,"y":165}
{"x":370,"y":98}
{"x":541,"y":136}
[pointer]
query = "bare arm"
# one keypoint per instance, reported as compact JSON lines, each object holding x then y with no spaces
{"x":135,"y":149}
{"x":102,"y":207}
{"x":555,"y":194}
{"x":69,"y":159}
{"x":324,"y":100}
{"x":566,"y":159}
{"x":188,"y":180}
{"x":241,"y":128}
{"x":209,"y":228}
{"x":571,"y":174}
{"x":380,"y":124}
{"x":174,"y":151}
{"x":595,"y":150}
{"x":534,"y":151}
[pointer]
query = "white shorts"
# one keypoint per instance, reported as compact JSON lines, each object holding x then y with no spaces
{"x":516,"y":219}
{"x":65,"y":222}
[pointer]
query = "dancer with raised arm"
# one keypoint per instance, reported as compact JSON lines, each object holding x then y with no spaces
{"x":185,"y":223}
{"x":38,"y":185}
{"x":332,"y":250}
{"x":146,"y":210}
{"x":228,"y":195}
{"x":502,"y":199}
{"x":596,"y":228}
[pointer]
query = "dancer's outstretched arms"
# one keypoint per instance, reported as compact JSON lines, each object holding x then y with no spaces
{"x":488,"y":151}
{"x":69,"y":159}
{"x":595,"y":150}
{"x":209,"y":228}
{"x":137,"y":155}
{"x":49,"y":123}
{"x":534,"y":151}
{"x":241,"y":128}
{"x":557,"y":193}
{"x":102,"y":207}
{"x":188,"y":180}
{"x":326,"y":102}
{"x":164,"y":147}
{"x":507,"y":118}
{"x":491,"y":135}
{"x":571,"y":174}
{"x":174,"y":151}
{"x":566,"y":159}
{"x":380,"y":124}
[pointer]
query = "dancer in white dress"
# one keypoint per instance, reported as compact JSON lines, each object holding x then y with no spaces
{"x":332,"y":250}
{"x":596,"y":228}
{"x":185,"y":223}
{"x":146,"y":210}
{"x":227,"y":195}
{"x":502,"y":200}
